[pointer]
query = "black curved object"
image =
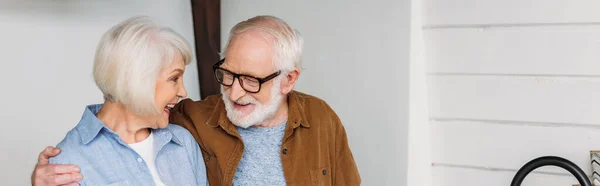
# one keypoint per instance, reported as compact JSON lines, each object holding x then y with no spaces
{"x":551,"y":160}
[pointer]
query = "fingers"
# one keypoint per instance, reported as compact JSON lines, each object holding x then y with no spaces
{"x":65,"y":179}
{"x":60,"y":169}
{"x":56,"y":174}
{"x":46,"y":154}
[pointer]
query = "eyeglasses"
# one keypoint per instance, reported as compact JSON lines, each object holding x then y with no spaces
{"x":249,"y":83}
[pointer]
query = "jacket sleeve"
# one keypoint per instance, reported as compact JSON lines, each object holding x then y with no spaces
{"x":346,"y":172}
{"x":179,"y":117}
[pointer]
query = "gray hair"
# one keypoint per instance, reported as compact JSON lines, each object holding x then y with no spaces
{"x":129,"y":58}
{"x":287,"y":42}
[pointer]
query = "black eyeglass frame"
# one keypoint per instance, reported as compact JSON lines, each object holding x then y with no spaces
{"x":217,"y":66}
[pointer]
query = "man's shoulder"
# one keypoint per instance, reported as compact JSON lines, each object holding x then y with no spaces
{"x":202,"y":108}
{"x":209,"y":102}
{"x":312,"y":104}
{"x":190,"y":114}
{"x":307,"y":100}
{"x":316,"y":110}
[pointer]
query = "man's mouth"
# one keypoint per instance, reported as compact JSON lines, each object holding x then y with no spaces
{"x":241,"y":105}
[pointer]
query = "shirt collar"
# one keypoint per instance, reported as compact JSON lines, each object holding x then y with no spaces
{"x":296,"y":114}
{"x":90,"y":126}
{"x":166,"y":134}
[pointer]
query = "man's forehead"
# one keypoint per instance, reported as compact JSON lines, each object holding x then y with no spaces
{"x":247,"y":66}
{"x":250,"y":45}
{"x":249,"y":54}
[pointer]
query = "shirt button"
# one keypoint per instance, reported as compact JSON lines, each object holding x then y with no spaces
{"x":140,"y":160}
{"x":324,"y":172}
{"x":285,"y":151}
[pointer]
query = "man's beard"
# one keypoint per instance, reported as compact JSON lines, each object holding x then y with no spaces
{"x":260,"y":113}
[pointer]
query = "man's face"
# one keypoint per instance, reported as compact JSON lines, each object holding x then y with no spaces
{"x":250,"y":54}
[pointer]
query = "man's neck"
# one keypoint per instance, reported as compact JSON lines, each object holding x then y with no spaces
{"x":281,"y":115}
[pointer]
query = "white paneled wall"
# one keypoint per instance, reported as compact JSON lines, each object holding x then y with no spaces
{"x":509,"y":12}
{"x":548,"y":50}
{"x":510,"y":81}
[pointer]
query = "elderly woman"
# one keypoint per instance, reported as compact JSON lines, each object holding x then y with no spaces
{"x":127,"y":140}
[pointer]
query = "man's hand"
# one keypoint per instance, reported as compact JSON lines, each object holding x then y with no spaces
{"x":47,"y":174}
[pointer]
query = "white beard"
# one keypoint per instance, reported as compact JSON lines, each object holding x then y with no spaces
{"x":259,"y":114}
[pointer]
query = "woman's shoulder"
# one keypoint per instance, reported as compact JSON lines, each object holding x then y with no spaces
{"x":76,"y":142}
{"x":70,"y":147}
{"x":183,"y":135}
{"x":180,"y":132}
{"x":80,"y":143}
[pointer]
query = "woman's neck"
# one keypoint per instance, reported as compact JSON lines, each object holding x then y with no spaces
{"x":129,"y":126}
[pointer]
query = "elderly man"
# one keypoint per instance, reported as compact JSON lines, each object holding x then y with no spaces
{"x":259,"y":131}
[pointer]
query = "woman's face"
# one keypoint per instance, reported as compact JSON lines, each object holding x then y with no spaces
{"x":169,"y":88}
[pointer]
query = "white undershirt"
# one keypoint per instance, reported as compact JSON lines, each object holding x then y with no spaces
{"x":145,"y":149}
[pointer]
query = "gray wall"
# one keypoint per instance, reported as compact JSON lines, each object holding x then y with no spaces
{"x":47,"y":50}
{"x":357,"y":58}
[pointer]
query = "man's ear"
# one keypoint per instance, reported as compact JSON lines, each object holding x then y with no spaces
{"x":289,"y":81}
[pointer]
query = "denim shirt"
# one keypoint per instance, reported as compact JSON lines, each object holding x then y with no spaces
{"x":105,"y":159}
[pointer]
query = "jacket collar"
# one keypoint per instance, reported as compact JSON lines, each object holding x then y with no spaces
{"x":296,"y":116}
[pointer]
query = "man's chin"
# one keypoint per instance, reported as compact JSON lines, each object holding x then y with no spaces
{"x":241,"y":123}
{"x":237,"y":118}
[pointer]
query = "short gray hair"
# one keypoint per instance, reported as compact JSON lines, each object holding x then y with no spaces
{"x":287,"y":42}
{"x":129,"y":58}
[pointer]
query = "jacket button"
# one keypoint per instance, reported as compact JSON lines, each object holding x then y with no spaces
{"x":284,"y":151}
{"x":324,"y":172}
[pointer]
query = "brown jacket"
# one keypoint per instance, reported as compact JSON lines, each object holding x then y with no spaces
{"x":314,"y":150}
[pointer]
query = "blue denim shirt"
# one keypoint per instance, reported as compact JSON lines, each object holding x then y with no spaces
{"x":105,"y":159}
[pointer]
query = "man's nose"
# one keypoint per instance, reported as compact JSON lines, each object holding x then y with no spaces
{"x":236,"y":90}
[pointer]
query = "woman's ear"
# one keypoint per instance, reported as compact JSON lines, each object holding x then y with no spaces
{"x":289,"y":81}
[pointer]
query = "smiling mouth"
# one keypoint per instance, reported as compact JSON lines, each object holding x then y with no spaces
{"x":169,"y":107}
{"x":238,"y":104}
{"x":242,"y":106}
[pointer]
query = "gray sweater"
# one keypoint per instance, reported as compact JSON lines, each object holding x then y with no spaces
{"x":261,"y":161}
